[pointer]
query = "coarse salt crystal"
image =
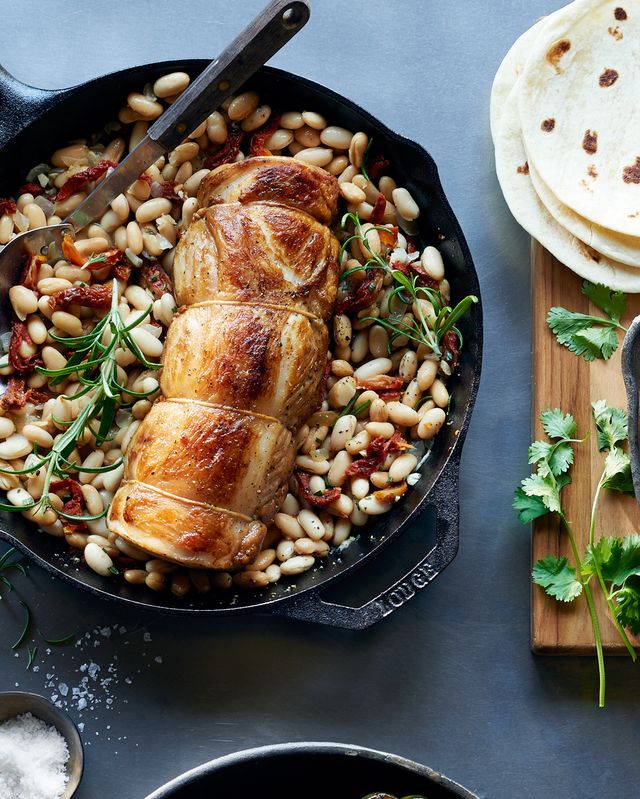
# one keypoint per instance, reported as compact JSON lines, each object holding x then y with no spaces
{"x":33,"y":759}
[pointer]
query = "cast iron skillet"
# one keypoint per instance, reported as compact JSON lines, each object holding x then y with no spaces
{"x":312,"y":771}
{"x":33,"y":122}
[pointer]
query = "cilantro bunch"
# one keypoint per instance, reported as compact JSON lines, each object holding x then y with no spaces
{"x":611,"y":563}
{"x":587,"y":335}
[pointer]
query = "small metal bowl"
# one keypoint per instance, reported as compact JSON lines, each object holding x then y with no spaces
{"x":15,"y":703}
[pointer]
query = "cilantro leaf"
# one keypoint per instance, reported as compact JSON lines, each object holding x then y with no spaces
{"x":585,"y":334}
{"x":544,"y":487}
{"x":611,"y":424}
{"x":557,"y":424}
{"x":628,"y":605}
{"x":617,"y":472}
{"x":561,"y":458}
{"x":619,"y":558}
{"x":539,"y":451}
{"x":529,"y":508}
{"x":596,"y":342}
{"x":613,"y":303}
{"x":557,"y":578}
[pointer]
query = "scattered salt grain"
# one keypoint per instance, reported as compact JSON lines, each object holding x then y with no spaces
{"x":33,"y":759}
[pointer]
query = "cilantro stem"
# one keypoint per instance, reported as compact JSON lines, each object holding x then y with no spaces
{"x":592,"y":612}
{"x":596,"y":563}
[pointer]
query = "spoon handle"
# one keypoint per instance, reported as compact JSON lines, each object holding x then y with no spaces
{"x":274,"y":26}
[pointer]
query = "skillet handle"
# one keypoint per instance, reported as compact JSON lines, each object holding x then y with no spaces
{"x":444,"y":497}
{"x":631,"y":376}
{"x":20,"y":104}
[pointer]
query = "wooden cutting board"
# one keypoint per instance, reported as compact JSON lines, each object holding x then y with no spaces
{"x":561,"y":379}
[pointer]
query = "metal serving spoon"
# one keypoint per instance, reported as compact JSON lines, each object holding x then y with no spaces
{"x":274,"y":26}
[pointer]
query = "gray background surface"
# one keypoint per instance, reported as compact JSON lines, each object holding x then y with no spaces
{"x":449,"y":679}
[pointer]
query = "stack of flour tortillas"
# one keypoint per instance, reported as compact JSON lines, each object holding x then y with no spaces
{"x":565,"y":120}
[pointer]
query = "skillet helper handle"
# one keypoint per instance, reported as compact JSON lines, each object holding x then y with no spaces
{"x":274,"y":26}
{"x":263,"y":37}
{"x":20,"y":104}
{"x":444,"y":497}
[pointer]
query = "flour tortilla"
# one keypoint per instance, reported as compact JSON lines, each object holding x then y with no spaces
{"x":509,"y":71}
{"x":581,"y":82}
{"x":617,"y":246}
{"x":531,"y":213}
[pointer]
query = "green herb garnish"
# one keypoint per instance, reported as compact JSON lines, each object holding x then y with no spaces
{"x":613,"y":562}
{"x":95,"y":366}
{"x":586,"y":335}
{"x":409,"y":292}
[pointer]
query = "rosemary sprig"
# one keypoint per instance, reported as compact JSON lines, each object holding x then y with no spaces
{"x":408,"y":291}
{"x":94,"y":365}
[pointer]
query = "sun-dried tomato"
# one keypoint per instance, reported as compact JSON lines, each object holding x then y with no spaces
{"x":31,"y":188}
{"x":365,"y":294}
{"x":166,"y":189}
{"x":328,"y":496}
{"x":229,"y":150}
{"x":69,"y":250}
{"x":376,"y":454}
{"x":411,"y":245}
{"x":377,"y":167}
{"x":379,"y":208}
{"x":390,"y":494}
{"x":380,"y":383}
{"x":389,"y":394}
{"x":262,"y":135}
{"x":97,"y":296}
{"x":81,"y":179}
{"x":451,"y":349}
{"x":388,"y":236}
{"x":17,"y":395}
{"x":7,"y":206}
{"x":74,"y":505}
{"x":29,"y":277}
{"x":155,"y":278}
{"x":122,"y":272}
{"x":20,"y":334}
{"x":37,"y":397}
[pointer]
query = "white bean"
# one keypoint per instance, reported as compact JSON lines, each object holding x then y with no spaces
{"x":307,"y":464}
{"x":373,"y":507}
{"x":152,"y":209}
{"x":335,"y":137}
{"x":432,"y":263}
{"x":311,"y":524}
{"x":405,"y":204}
{"x":336,"y":474}
{"x":7,"y":427}
{"x":343,"y":431}
{"x":431,"y":423}
{"x":97,"y":559}
{"x":373,"y":368}
{"x":402,"y":414}
{"x":23,"y":301}
{"x":402,"y":467}
{"x":297,"y":564}
{"x":150,"y":346}
{"x":427,"y":374}
{"x":288,"y":526}
{"x":15,"y":446}
{"x":316,"y":156}
{"x":439,"y":393}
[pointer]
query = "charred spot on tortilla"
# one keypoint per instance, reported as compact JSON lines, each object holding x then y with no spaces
{"x":524,"y":169}
{"x":631,"y":174}
{"x":592,"y":171}
{"x":616,"y":33}
{"x":548,"y":125}
{"x":620,"y":13}
{"x":608,"y":78}
{"x":555,"y":53}
{"x":590,"y":142}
